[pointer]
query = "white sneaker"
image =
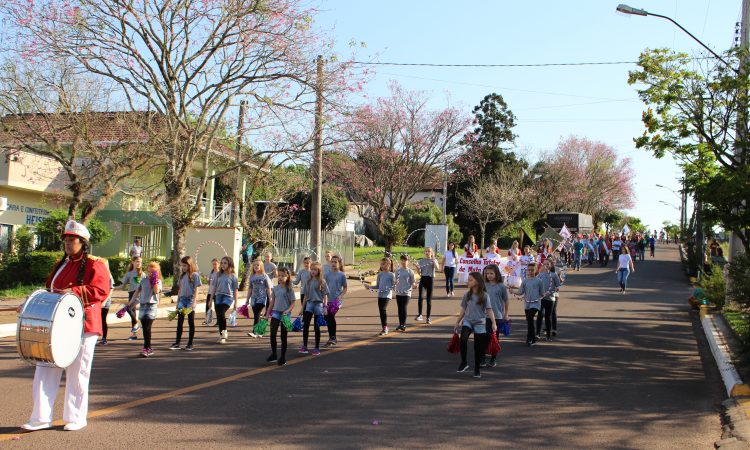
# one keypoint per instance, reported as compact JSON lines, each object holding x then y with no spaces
{"x":419,"y":318}
{"x":34,"y":426}
{"x":73,"y":426}
{"x":252,"y":335}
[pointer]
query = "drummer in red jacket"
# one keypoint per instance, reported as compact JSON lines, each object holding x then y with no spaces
{"x":87,"y":277}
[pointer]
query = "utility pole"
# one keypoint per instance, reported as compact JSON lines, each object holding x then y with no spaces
{"x":317,"y":194}
{"x":238,"y":157}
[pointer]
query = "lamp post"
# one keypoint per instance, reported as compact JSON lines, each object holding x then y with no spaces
{"x":683,"y":209}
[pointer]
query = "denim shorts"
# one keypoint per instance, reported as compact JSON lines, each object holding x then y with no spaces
{"x":223,"y":299}
{"x":184,"y":302}
{"x":314,"y":307}
{"x":477,"y":327}
{"x":147,"y":311}
{"x":277,"y":314}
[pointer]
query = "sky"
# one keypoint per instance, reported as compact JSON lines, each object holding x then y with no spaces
{"x":551,"y":103}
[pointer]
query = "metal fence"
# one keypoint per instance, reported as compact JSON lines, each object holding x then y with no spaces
{"x":292,"y":245}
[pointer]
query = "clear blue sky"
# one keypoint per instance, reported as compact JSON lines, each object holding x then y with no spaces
{"x":550,"y":102}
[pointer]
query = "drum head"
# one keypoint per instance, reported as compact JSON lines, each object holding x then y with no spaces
{"x":66,"y":334}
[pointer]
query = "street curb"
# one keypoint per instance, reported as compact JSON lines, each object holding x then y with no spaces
{"x":736,"y":409}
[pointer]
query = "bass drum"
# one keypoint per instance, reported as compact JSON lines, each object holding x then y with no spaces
{"x":50,"y":329}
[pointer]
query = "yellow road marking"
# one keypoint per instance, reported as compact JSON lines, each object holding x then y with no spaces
{"x":217,"y":382}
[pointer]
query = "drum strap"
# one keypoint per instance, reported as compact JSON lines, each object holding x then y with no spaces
{"x":62,"y":266}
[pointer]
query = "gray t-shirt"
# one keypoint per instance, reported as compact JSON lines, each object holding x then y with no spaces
{"x":187,"y":288}
{"x":283,"y":298}
{"x":473,"y":311}
{"x":499,"y":297}
{"x":532,"y":291}
{"x":550,"y":284}
{"x":313,"y":292}
{"x":336,"y":282}
{"x":133,"y":279}
{"x":303,"y":276}
{"x":226,"y":284}
{"x":260,"y":285}
{"x":384,"y":283}
{"x":148,"y":296}
{"x":427,"y":267}
{"x":404,"y":281}
{"x":212,"y":282}
{"x":269,"y":268}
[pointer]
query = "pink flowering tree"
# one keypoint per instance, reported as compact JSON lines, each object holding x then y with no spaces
{"x":190,"y":63}
{"x":394,"y":148}
{"x":584,"y":176}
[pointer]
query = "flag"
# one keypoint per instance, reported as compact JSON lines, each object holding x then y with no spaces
{"x":626,"y":229}
{"x":564,"y":232}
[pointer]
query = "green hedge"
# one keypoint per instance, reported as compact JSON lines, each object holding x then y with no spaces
{"x":118,"y":265}
{"x":31,"y":268}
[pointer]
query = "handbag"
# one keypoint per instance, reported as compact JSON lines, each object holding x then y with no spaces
{"x":455,"y":344}
{"x":493,"y":347}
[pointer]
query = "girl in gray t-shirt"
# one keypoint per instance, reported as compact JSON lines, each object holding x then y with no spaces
{"x":384,"y":284}
{"x":258,"y":294}
{"x":282,"y":302}
{"x":337,"y":286}
{"x":303,"y":276}
{"x":476,"y":307}
{"x":405,"y":281}
{"x":315,"y":302}
{"x":498,"y":299}
{"x":427,"y":267}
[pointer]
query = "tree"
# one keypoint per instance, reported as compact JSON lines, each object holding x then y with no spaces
{"x":394,"y":148}
{"x":484,"y":153}
{"x":49,"y":110}
{"x":188,"y":62}
{"x":51,"y":228}
{"x":611,"y":218}
{"x":418,"y":215}
{"x":333,"y":208}
{"x":583,"y":176}
{"x":697,"y":112}
{"x":496,"y":198}
{"x":670,"y":228}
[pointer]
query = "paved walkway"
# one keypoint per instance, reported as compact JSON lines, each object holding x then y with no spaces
{"x":625,"y":373}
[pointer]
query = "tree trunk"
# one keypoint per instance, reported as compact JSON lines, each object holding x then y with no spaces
{"x":179,"y":238}
{"x":482,"y":228}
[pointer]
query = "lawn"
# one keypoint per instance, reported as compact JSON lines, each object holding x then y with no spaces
{"x":24,"y":290}
{"x":738,"y":321}
{"x":370,"y":254}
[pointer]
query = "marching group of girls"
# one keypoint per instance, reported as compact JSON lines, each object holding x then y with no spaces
{"x":322,"y":288}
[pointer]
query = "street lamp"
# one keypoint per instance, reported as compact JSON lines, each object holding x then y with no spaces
{"x":669,"y":204}
{"x":625,"y":9}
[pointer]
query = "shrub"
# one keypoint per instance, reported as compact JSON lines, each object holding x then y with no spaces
{"x":165,"y":265}
{"x":714,"y":286}
{"x":739,"y":280}
{"x":23,"y":240}
{"x":394,"y":231}
{"x":118,"y":265}
{"x":40,"y":264}
{"x":419,"y":215}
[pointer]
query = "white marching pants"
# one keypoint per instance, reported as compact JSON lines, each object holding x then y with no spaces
{"x":47,"y":383}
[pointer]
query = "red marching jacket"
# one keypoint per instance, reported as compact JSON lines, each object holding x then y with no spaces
{"x":93,"y":291}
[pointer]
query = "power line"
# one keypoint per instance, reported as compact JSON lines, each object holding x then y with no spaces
{"x":600,"y":63}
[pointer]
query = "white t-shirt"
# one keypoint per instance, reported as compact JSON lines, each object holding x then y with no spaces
{"x":450,"y":259}
{"x":623,"y":262}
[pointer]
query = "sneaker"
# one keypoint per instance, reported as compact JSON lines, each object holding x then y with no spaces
{"x":175,"y":346}
{"x":150,"y":351}
{"x":135,"y":328}
{"x":205,"y":322}
{"x":35,"y":426}
{"x":429,"y":321}
{"x":303,"y":350}
{"x":282,"y":361}
{"x":492,"y":363}
{"x":272,"y":358}
{"x":144,"y":353}
{"x":477,"y":375}
{"x":103,"y":342}
{"x":384,"y":332}
{"x":554,"y":332}
{"x":252,"y":335}
{"x":316,"y":352}
{"x":133,"y":337}
{"x":401,"y":328}
{"x":329,"y":343}
{"x":462,"y":367}
{"x":188,"y":348}
{"x":419,"y":318}
{"x":483,"y":363}
{"x":74,"y":426}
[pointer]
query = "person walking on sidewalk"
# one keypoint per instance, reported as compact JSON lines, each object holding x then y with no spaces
{"x":449,"y":267}
{"x":427,"y":268}
{"x":476,"y":308}
{"x":624,"y":268}
{"x":187,"y":294}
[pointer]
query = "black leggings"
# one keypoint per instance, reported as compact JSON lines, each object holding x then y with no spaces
{"x":257,"y":308}
{"x":480,"y":343}
{"x":530,"y":334}
{"x":402,"y":301}
{"x":449,"y":272}
{"x":306,"y":318}
{"x":547,"y":306}
{"x":331,"y":322}
{"x":426,"y":283}
{"x":382,"y":307}
{"x":131,"y":310}
{"x":191,"y":327}
{"x":221,"y":315}
{"x":274,"y":329}
{"x":208,"y":302}
{"x":105,"y":311}
{"x":146,"y":325}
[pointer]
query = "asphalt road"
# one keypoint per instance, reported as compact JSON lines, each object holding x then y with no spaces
{"x":624,"y":373}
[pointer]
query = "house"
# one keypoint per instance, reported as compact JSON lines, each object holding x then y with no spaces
{"x":32,"y":185}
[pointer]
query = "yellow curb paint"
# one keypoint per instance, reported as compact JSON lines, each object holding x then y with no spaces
{"x":703,"y":311}
{"x":742,"y":390}
{"x":208,"y":384}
